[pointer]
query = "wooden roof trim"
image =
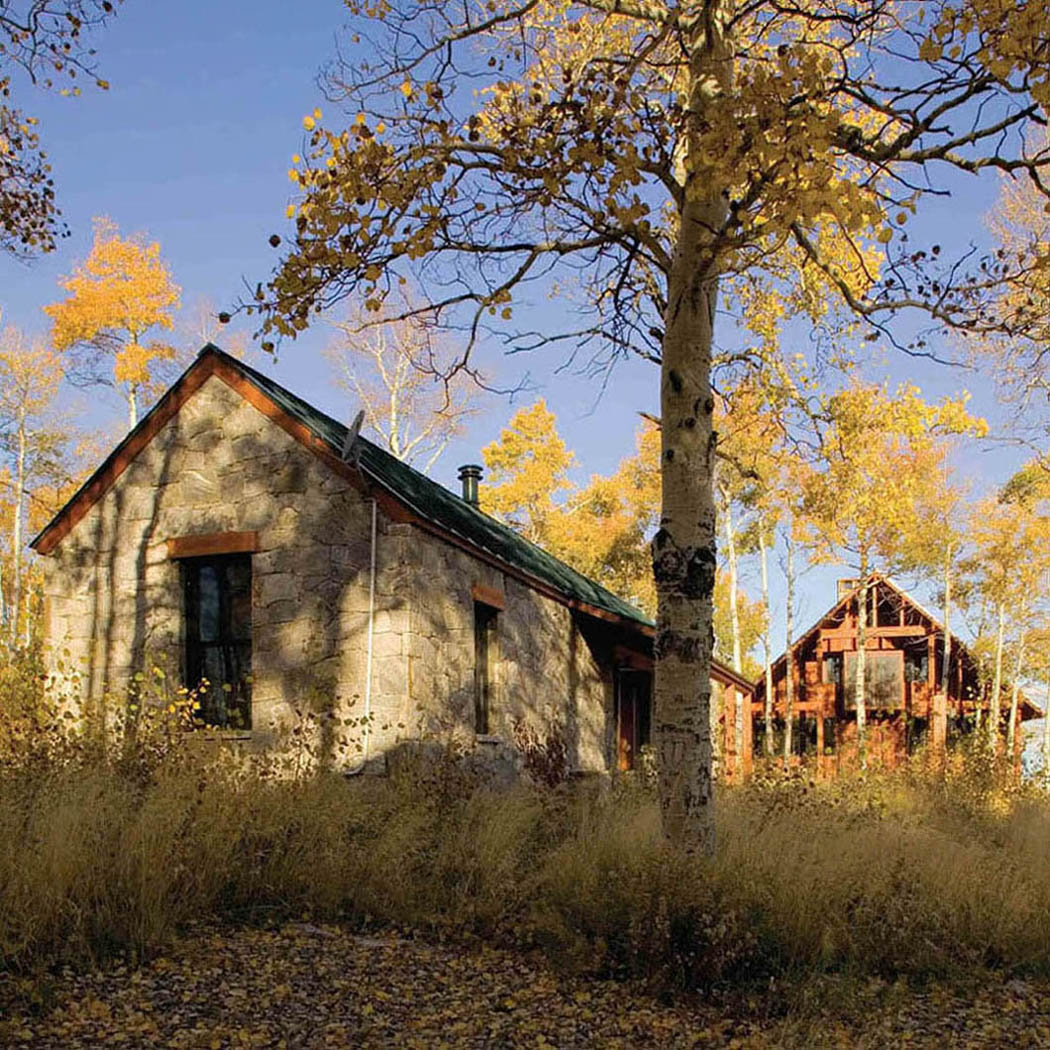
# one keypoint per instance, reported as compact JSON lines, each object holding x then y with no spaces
{"x":728,"y":676}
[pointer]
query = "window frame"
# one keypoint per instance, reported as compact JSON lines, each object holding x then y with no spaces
{"x":486,"y":660}
{"x":236,"y":650}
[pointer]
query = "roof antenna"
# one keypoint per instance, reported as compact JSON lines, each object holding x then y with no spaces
{"x":351,"y":451}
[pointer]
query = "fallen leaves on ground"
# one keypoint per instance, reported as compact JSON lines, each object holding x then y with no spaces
{"x":324,"y":986}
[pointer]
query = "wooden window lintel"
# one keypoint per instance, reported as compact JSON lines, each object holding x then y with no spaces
{"x":208,"y":543}
{"x":489,"y":596}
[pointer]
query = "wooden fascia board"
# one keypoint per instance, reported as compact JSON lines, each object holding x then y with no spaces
{"x":727,"y":676}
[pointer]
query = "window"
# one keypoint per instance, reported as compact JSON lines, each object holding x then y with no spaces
{"x":917,"y":664}
{"x":485,"y":656}
{"x":831,"y":669}
{"x":883,"y":680}
{"x":830,"y":727}
{"x":218,"y":607}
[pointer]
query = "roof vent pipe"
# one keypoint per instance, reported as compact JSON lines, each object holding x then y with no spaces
{"x":470,"y":476}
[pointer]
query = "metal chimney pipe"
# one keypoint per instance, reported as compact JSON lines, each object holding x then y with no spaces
{"x":470,"y":476}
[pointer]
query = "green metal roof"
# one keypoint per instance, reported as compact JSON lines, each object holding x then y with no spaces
{"x":437,"y":504}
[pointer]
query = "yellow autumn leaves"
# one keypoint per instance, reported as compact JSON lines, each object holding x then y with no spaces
{"x":117,"y":296}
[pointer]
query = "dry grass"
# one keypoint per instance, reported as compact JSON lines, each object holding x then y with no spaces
{"x":110,"y":852}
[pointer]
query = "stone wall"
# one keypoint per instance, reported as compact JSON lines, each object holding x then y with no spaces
{"x":115,"y":599}
{"x":549,"y":671}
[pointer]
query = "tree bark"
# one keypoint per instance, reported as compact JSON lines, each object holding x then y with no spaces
{"x":16,"y":529}
{"x":861,"y":661}
{"x":789,"y":668}
{"x":994,"y":715}
{"x":1046,"y":735}
{"x":767,"y":647}
{"x":684,"y":546}
{"x":684,"y":555}
{"x":947,"y":657}
{"x":734,"y":621}
{"x":1015,"y":689}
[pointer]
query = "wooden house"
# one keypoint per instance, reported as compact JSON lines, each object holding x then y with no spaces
{"x":905,"y":707}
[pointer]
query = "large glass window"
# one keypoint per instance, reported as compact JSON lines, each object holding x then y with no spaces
{"x":883,"y":680}
{"x":218,"y":605}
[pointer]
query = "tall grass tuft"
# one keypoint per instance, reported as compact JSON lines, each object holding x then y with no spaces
{"x":112,"y":852}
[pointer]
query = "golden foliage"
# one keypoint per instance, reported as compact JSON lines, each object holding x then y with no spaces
{"x":865,"y":495}
{"x":527,"y":473}
{"x":121,"y":291}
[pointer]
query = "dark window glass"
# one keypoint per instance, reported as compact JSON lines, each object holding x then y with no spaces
{"x":832,"y":669}
{"x":882,"y":680}
{"x":917,"y":665}
{"x":829,"y":736}
{"x":218,"y":598}
{"x":485,"y":656}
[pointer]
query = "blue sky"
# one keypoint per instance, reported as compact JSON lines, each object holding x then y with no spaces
{"x":192,"y":145}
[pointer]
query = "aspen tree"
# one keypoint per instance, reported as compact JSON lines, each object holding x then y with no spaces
{"x":1007,"y":563}
{"x":121,"y":292}
{"x":394,"y":373}
{"x":649,"y":157}
{"x":30,"y":440}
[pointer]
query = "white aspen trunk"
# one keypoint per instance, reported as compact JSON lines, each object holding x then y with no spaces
{"x":395,"y":422}
{"x":789,"y":668}
{"x":1046,"y":735}
{"x":734,"y":606}
{"x":16,"y":529}
{"x":1015,"y":690}
{"x":734,"y":621}
{"x":997,"y":684}
{"x":684,"y":546}
{"x":767,"y":648}
{"x":133,"y":407}
{"x":947,"y":659}
{"x":861,"y":661}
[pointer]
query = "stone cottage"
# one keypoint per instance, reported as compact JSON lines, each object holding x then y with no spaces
{"x":239,"y":536}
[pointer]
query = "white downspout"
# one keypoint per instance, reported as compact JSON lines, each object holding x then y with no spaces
{"x":368,"y":660}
